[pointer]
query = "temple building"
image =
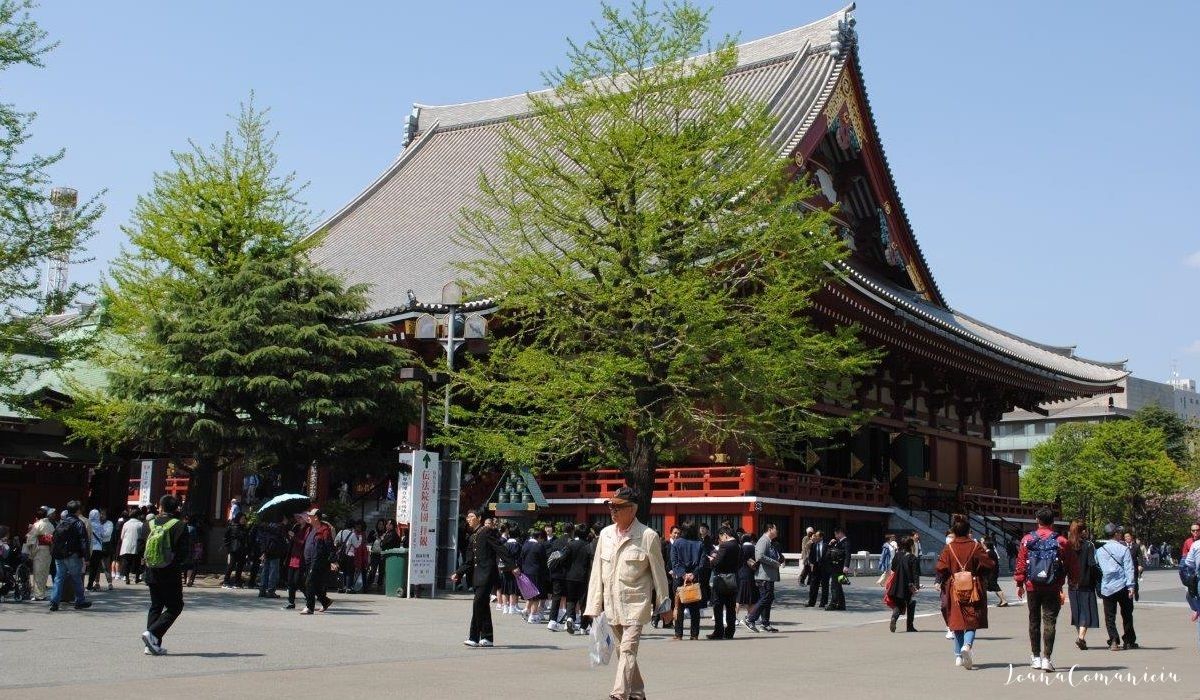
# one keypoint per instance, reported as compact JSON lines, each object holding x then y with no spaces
{"x":946,"y":380}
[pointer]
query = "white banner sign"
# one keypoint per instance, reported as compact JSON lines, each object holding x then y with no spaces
{"x":404,"y":497}
{"x":422,"y":537}
{"x":146,"y":482}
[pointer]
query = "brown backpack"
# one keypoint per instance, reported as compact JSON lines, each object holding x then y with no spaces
{"x":962,"y":582}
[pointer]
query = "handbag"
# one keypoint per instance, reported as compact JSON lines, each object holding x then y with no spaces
{"x":725,"y":584}
{"x":887,"y":588}
{"x":962,"y":582}
{"x":688,"y":593}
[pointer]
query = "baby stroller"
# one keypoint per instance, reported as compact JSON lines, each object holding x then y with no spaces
{"x":16,"y":577}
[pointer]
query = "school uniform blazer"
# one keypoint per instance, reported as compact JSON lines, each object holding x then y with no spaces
{"x":627,"y":576}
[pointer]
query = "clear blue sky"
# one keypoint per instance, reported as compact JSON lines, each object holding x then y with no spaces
{"x":1044,"y":151}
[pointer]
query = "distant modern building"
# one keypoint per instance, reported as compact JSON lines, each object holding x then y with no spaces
{"x":1020,"y":431}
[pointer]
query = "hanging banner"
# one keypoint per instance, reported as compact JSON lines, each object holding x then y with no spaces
{"x":422,"y":535}
{"x":405,"y":491}
{"x":146,"y":483}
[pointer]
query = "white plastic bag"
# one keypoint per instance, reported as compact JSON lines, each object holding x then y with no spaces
{"x":601,"y":649}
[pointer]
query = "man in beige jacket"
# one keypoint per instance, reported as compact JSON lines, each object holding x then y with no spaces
{"x":628,"y":577}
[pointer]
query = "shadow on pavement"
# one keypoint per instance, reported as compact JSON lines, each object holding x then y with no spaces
{"x":216,"y":654}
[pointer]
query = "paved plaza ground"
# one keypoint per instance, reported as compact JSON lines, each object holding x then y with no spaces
{"x":231,"y":644}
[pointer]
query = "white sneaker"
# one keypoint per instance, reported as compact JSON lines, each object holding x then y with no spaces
{"x":485,"y":642}
{"x":958,"y":661}
{"x":1035,"y":662}
{"x":967,"y":661}
{"x":1047,"y":666}
{"x":949,"y":634}
{"x":151,"y":643}
{"x":553,"y":626}
{"x":470,"y":643}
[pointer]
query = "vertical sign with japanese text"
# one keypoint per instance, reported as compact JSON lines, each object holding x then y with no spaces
{"x":404,"y":495}
{"x":422,"y":535}
{"x":146,"y":483}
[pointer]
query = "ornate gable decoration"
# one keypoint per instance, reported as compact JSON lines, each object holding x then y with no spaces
{"x":844,"y":115}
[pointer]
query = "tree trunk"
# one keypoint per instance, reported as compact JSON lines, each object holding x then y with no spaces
{"x":639,"y":474}
{"x":200,"y":487}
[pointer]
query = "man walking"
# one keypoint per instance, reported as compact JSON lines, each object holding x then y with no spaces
{"x":166,"y":550}
{"x":818,"y":577}
{"x":1117,"y":585}
{"x":627,"y":573}
{"x":69,"y":547}
{"x":318,"y":548}
{"x":765,"y":577}
{"x":40,"y":537}
{"x":839,"y":561}
{"x":482,"y":555}
{"x":1043,"y":561}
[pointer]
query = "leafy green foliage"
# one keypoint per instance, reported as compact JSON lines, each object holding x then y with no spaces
{"x":30,"y":234}
{"x":1108,"y":472}
{"x":225,"y":340}
{"x":653,"y":260}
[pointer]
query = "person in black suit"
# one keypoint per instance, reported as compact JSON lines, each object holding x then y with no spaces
{"x":839,"y":559}
{"x":481,"y":559}
{"x":818,"y":564}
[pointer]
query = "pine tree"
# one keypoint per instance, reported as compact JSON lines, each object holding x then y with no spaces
{"x":226,"y":340}
{"x":653,"y":261}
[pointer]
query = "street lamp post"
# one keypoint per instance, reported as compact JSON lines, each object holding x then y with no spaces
{"x":449,"y":312}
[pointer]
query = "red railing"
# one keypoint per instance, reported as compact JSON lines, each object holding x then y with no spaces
{"x":824,"y":489}
{"x":1006,"y":506}
{"x":717,"y":481}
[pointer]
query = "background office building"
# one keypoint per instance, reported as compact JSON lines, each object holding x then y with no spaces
{"x":1020,"y":431}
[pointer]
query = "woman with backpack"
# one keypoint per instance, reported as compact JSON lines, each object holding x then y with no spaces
{"x":962,"y":568}
{"x":905,"y":582}
{"x":1081,"y":582}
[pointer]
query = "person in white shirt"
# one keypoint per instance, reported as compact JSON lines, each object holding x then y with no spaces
{"x":100,"y":535}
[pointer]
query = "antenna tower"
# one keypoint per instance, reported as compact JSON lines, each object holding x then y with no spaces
{"x":63,"y":199}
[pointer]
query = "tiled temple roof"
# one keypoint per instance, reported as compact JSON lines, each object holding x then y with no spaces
{"x":398,"y":233}
{"x":1059,"y":361}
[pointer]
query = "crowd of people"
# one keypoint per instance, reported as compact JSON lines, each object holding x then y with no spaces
{"x":565,"y":575}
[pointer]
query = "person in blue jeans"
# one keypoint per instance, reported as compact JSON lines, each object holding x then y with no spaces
{"x":962,"y":570}
{"x":69,"y":549}
{"x":272,"y":543}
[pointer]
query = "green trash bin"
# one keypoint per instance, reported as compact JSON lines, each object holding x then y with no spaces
{"x":395,"y":571}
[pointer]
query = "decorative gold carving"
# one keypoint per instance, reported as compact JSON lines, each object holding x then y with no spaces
{"x":843,"y":97}
{"x":887,"y":207}
{"x":798,"y":159}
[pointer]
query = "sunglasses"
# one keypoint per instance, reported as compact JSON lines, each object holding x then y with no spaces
{"x":612,"y":506}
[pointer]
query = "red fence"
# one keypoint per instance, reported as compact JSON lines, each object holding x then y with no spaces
{"x":1006,"y":506}
{"x":718,"y":481}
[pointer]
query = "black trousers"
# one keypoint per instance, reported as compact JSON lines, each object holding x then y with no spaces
{"x":295,"y":578}
{"x":1122,"y":600}
{"x":166,"y":602}
{"x":481,"y":614}
{"x":905,"y":607}
{"x":374,"y":572}
{"x":818,"y":580}
{"x":315,"y":584}
{"x":1043,"y":620}
{"x":837,"y":596}
{"x":237,"y":563}
{"x":724,"y":621}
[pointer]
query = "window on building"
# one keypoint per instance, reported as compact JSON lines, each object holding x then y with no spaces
{"x":1030,"y":428}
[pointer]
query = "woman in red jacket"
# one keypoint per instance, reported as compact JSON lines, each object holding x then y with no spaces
{"x":962,"y":571}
